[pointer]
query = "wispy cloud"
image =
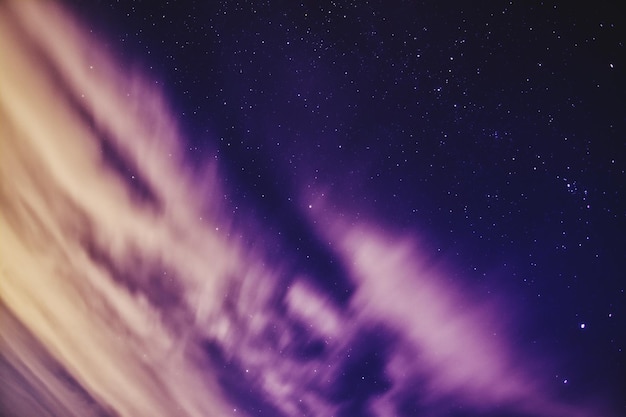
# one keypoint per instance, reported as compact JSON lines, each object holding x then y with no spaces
{"x":124,"y":292}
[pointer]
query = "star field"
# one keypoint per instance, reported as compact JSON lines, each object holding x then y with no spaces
{"x":494,"y":126}
{"x":491,"y":136}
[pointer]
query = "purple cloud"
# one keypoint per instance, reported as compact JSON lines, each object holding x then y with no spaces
{"x":130,"y":291}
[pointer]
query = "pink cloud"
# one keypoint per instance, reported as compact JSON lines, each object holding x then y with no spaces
{"x":452,"y":340}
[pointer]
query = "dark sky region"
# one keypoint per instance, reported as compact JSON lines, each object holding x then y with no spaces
{"x":488,"y":138}
{"x":493,"y":130}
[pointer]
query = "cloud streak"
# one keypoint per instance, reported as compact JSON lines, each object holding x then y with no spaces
{"x":124,"y":293}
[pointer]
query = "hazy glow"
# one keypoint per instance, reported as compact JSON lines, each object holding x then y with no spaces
{"x":122,"y":294}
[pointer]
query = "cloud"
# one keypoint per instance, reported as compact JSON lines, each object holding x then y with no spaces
{"x":449,"y":343}
{"x":123,"y":291}
{"x":101,"y":278}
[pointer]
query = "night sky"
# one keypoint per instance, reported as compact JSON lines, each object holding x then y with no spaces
{"x":400,"y":208}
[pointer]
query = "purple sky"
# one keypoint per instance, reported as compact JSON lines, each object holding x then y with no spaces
{"x":272,"y":265}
